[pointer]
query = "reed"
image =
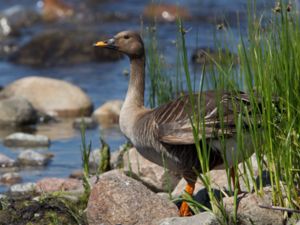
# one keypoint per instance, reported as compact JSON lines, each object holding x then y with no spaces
{"x":269,"y":71}
{"x":270,"y":65}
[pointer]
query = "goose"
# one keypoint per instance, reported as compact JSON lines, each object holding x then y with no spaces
{"x":164,"y":134}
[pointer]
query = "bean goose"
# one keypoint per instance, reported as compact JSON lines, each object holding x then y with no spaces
{"x":166,"y":131}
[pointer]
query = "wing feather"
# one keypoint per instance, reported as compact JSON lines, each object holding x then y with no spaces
{"x":218,"y":112}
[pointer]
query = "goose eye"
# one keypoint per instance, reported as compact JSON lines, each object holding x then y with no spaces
{"x":126,"y":37}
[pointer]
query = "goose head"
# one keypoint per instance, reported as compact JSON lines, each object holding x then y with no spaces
{"x":127,"y":42}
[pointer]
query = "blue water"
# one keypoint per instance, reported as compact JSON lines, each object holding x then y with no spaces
{"x":105,"y":81}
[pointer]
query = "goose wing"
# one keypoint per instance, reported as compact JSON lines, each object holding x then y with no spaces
{"x":217,"y":113}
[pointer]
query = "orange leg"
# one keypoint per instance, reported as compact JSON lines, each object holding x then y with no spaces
{"x":232,"y":174}
{"x":184,"y":208}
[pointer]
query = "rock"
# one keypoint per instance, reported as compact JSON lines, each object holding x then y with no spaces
{"x":179,"y":189}
{"x":41,"y":210}
{"x":57,"y":184}
{"x":5,"y":161}
{"x":118,"y":199}
{"x":209,"y":55}
{"x":10,"y":178}
{"x":51,"y":96}
{"x":84,"y":122}
{"x":249,"y":211}
{"x":164,"y":195}
{"x":219,"y":180}
{"x":62,"y":129}
{"x":16,"y":111}
{"x":165,"y":12}
{"x":26,"y":140}
{"x":22,"y":188}
{"x":153,"y":176}
{"x":32,"y":158}
{"x":16,"y":17}
{"x":55,"y":9}
{"x":108,"y":114}
{"x":8,"y":46}
{"x":205,"y":218}
{"x":62,"y":48}
{"x":76,"y":174}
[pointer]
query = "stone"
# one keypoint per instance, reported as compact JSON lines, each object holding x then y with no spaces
{"x":52,"y":184}
{"x":210,"y":55}
{"x":6,"y":161}
{"x":55,"y":10}
{"x":152,"y":175}
{"x":84,"y":122}
{"x":165,"y":12}
{"x":62,"y":47}
{"x":62,"y":129}
{"x":76,"y":174}
{"x":8,"y":46}
{"x":205,"y":218}
{"x":51,"y":96}
{"x":249,"y":211}
{"x":118,"y":199}
{"x":219,"y":180}
{"x":10,"y":178}
{"x":108,"y":114}
{"x":22,"y":188}
{"x":26,"y":140}
{"x":17,"y":111}
{"x":33,"y":158}
{"x":16,"y":17}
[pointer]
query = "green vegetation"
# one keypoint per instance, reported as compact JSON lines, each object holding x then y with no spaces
{"x":269,"y":71}
{"x":85,"y":156}
{"x":54,"y":209}
{"x":103,"y":164}
{"x":270,"y":63}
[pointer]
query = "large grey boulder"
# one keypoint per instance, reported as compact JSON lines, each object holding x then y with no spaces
{"x":26,"y":140}
{"x":249,"y":211}
{"x":52,"y":184}
{"x":108,"y":113}
{"x":51,"y":96}
{"x":62,"y":47}
{"x":118,"y":199}
{"x":23,"y":188}
{"x":10,"y":178}
{"x":33,"y":158}
{"x":6,"y":161}
{"x":205,"y":218}
{"x":16,"y":17}
{"x":84,"y":123}
{"x":16,"y":111}
{"x":152,"y":175}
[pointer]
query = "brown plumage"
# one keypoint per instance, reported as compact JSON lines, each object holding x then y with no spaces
{"x":166,"y":131}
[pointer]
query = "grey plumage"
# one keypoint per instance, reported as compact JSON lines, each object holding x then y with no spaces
{"x":166,"y":132}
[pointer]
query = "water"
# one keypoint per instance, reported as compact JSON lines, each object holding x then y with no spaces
{"x":105,"y":81}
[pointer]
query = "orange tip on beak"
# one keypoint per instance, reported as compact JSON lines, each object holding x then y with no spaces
{"x":100,"y":44}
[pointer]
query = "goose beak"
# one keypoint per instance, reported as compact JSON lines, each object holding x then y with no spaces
{"x":110,"y":43}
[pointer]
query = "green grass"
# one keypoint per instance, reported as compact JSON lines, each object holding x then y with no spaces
{"x":270,"y":63}
{"x":269,"y":71}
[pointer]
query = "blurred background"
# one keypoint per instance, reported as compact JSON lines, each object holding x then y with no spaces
{"x":54,"y":39}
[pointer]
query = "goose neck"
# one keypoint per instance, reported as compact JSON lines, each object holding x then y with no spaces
{"x":136,"y":87}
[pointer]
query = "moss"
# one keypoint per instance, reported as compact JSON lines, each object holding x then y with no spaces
{"x":46,"y":210}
